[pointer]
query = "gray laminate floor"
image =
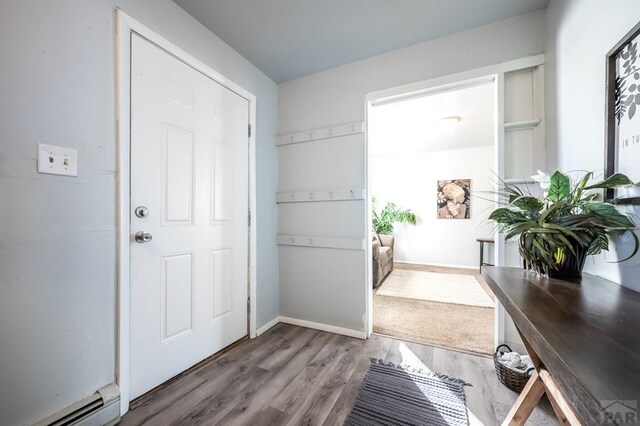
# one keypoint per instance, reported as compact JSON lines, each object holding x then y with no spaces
{"x":294,"y":375}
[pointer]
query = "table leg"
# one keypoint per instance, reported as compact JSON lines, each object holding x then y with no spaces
{"x":526,"y":402}
{"x":539,"y":383}
{"x":556,"y":409}
{"x":561,"y":407}
{"x":481,"y":255}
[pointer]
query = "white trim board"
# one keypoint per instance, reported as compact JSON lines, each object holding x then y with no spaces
{"x":322,"y":242}
{"x":358,"y":334}
{"x":268,"y":326}
{"x":319,"y":134}
{"x":312,"y":196}
{"x":521,"y":125}
{"x":125,"y":26}
{"x":450,"y":82}
{"x":441,"y":265}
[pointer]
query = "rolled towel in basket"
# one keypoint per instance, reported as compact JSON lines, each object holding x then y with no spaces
{"x":513,"y":360}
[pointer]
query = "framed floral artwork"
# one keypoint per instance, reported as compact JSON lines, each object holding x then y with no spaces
{"x":622,"y":144}
{"x":454,"y":199}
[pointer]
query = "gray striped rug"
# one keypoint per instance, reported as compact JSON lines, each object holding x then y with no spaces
{"x":392,"y":395}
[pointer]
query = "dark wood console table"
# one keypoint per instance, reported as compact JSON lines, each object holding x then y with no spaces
{"x":584,"y":340}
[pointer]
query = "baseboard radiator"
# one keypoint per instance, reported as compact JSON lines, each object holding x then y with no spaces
{"x":101,"y":408}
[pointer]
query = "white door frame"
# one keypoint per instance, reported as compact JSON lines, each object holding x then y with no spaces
{"x":125,"y":27}
{"x":493,"y":73}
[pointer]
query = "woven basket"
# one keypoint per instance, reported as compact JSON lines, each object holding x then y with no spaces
{"x":510,"y":377}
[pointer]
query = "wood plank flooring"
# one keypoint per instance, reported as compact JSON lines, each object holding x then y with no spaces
{"x":297,"y":376}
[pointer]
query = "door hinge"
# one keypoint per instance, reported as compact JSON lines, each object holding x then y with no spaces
{"x":248,"y":306}
{"x":249,"y":130}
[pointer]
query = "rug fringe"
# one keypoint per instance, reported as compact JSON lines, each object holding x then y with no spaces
{"x":421,"y":371}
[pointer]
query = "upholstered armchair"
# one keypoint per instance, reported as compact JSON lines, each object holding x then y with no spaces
{"x":382,"y":250}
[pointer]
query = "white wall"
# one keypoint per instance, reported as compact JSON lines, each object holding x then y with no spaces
{"x":412,"y":148}
{"x":333,"y":292}
{"x":410,"y":182}
{"x":58,"y":234}
{"x":580,"y":33}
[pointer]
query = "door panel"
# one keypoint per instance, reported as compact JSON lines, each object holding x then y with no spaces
{"x":177,"y":296}
{"x":177,"y":162}
{"x":189,"y":167}
{"x":222,"y":196}
{"x":222,"y":291}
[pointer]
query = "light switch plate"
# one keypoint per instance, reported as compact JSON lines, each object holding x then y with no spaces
{"x":55,"y":160}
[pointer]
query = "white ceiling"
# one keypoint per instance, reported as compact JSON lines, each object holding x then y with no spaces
{"x":416,"y":125}
{"x":287,"y":39}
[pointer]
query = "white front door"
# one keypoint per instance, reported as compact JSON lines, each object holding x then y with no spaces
{"x":189,"y":170}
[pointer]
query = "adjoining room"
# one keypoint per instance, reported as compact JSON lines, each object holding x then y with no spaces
{"x":432,"y":163}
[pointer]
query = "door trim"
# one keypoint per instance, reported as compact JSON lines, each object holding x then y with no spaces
{"x":125,"y":27}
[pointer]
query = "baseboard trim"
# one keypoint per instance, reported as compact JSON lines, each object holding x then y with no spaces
{"x":267,"y":326}
{"x":324,"y":327}
{"x":441,"y":265}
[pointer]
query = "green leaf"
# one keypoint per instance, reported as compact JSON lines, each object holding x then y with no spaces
{"x":506,"y":216}
{"x":566,"y":243}
{"x":585,"y":179}
{"x":636,"y":247}
{"x":565,"y":230}
{"x":560,"y":187}
{"x":607,"y":215}
{"x":512,"y":192}
{"x":518,"y":228}
{"x":613,"y":181}
{"x":527,"y":242}
{"x":532,"y":205}
{"x":580,"y":187}
{"x":599,"y":243}
{"x":544,"y":253}
{"x":549,"y":213}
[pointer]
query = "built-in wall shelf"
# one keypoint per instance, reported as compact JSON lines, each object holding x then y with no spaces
{"x":521,"y":125}
{"x":312,"y":196}
{"x":628,"y":201}
{"x":516,"y":181}
{"x":321,"y":242}
{"x":319,"y":134}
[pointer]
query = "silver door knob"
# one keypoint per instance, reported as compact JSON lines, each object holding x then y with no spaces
{"x":142,"y":211}
{"x":143,"y":237}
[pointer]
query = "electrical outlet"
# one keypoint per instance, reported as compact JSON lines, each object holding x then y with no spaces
{"x":55,"y":160}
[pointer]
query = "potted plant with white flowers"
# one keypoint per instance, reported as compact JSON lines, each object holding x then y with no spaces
{"x":556,"y":232}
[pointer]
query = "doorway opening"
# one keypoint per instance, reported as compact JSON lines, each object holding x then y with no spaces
{"x":432,"y":158}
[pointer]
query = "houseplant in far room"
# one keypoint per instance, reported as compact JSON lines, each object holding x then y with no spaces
{"x":558,"y":231}
{"x":382,"y":242}
{"x":384,"y":219}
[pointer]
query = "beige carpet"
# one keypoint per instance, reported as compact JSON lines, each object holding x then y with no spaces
{"x":435,"y":287}
{"x":469,"y":328}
